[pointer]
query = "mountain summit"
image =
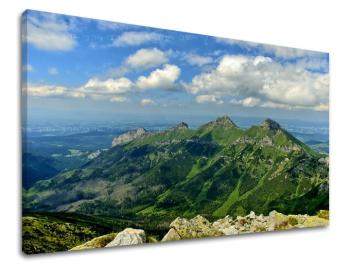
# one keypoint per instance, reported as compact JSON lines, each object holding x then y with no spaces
{"x":181,"y":125}
{"x":270,"y":124}
{"x":221,"y":121}
{"x":224,"y":120}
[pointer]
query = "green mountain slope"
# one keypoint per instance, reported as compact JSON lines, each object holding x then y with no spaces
{"x":36,"y":168}
{"x":215,"y":170}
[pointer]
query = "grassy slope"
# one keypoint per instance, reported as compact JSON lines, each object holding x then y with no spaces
{"x":41,"y":234}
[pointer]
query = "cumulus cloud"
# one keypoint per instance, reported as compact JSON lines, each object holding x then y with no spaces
{"x":119,"y":99}
{"x":134,"y":38}
{"x":147,"y":102}
{"x":52,"y":90}
{"x":263,"y":81}
{"x":160,"y":78}
{"x":52,"y":71}
{"x":207,"y":98}
{"x":146,"y":58}
{"x":106,"y":87}
{"x":49,"y":32}
{"x":250,"y":102}
{"x":197,"y":60}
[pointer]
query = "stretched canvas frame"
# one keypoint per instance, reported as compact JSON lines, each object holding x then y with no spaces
{"x":134,"y":135}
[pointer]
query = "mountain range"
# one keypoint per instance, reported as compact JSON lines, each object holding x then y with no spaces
{"x":215,"y":170}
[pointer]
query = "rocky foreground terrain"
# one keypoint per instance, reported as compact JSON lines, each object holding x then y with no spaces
{"x":199,"y":227}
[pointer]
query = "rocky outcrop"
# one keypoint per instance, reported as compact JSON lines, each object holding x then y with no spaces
{"x":270,"y":124}
{"x":94,"y":154}
{"x":224,"y":120}
{"x":181,"y":125}
{"x":273,"y":222}
{"x":324,"y":160}
{"x":198,"y":227}
{"x":221,"y":121}
{"x":171,"y":235}
{"x":129,"y":136}
{"x":129,"y":236}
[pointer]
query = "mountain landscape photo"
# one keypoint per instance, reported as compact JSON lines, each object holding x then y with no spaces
{"x":136,"y":135}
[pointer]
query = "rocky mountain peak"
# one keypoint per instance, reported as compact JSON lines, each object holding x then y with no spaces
{"x":129,"y":136}
{"x":181,"y":125}
{"x":270,"y":124}
{"x":224,"y":121}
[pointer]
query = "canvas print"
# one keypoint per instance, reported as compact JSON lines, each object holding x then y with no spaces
{"x":134,"y":135}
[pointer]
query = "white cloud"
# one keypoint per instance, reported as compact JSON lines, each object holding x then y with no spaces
{"x":146,"y":58}
{"x":197,"y":60}
{"x":108,"y":86}
{"x":255,"y":102}
{"x":51,"y":90}
{"x":250,"y":102}
{"x":264,"y":82}
{"x":49,"y":32}
{"x":94,"y":88}
{"x":45,"y":90}
{"x":28,"y":68}
{"x":52,"y":71}
{"x":160,"y":78}
{"x":118,"y":99}
{"x":207,"y":98}
{"x":133,"y":38}
{"x":147,"y":102}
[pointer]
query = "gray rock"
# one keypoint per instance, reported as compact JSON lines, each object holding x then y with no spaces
{"x":171,"y":235}
{"x":196,"y":227}
{"x":251,"y":215}
{"x":129,"y":136}
{"x":127,"y":237}
{"x":270,"y":124}
{"x":324,"y":160}
{"x":228,"y":231}
{"x":223,"y":223}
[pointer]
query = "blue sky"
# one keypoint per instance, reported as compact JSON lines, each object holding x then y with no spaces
{"x":77,"y":67}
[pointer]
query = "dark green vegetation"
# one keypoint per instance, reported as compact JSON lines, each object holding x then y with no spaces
{"x":42,"y":233}
{"x":36,"y":168}
{"x":216,"y":170}
{"x":52,"y":232}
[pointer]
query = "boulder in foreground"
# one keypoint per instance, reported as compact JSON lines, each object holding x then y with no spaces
{"x":128,"y":236}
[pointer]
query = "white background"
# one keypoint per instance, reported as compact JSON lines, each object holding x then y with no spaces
{"x":316,"y":25}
